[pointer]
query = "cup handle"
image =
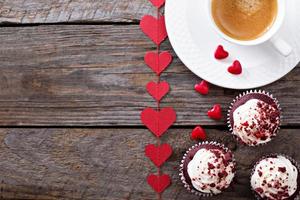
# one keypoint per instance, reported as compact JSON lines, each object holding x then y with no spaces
{"x":281,"y":46}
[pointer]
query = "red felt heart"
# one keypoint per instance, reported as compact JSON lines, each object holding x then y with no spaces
{"x":158,"y":121}
{"x":202,"y":87}
{"x":157,"y":3}
{"x":158,"y":154}
{"x":158,"y":62}
{"x":198,"y":133}
{"x":159,"y":183}
{"x":154,"y":28}
{"x":215,"y":112}
{"x":235,"y":68}
{"x":220,"y":53}
{"x":158,"y":90}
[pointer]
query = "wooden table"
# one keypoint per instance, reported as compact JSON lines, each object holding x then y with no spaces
{"x":72,"y":86}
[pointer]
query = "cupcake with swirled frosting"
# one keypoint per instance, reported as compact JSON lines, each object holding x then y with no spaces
{"x":207,"y":169}
{"x":254,"y":118}
{"x":275,"y":177}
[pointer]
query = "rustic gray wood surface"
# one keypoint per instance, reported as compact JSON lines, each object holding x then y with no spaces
{"x":79,"y":63}
{"x":92,"y":75}
{"x":110,"y":163}
{"x":54,"y":11}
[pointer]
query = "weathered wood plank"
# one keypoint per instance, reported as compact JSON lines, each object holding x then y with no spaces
{"x":95,"y":76}
{"x":109,"y":164}
{"x":65,"y":11}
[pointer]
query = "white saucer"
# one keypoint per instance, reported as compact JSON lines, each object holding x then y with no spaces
{"x":194,"y":41}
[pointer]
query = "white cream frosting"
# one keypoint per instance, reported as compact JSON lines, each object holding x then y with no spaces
{"x":250,"y":120}
{"x":207,"y":179}
{"x":271,"y":180}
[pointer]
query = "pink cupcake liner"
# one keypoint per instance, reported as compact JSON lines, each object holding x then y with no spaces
{"x":253,"y":92}
{"x":182,"y":178}
{"x":294,"y":162}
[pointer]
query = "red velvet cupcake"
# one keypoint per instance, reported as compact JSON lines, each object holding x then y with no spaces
{"x":207,"y":169}
{"x":254,"y":118}
{"x":275,"y":177}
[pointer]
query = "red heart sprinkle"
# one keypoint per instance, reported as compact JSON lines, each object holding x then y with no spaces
{"x":157,"y":3}
{"x":198,"y":133}
{"x":158,"y":122}
{"x":158,"y":154}
{"x":202,"y":87}
{"x":158,"y":90}
{"x":215,"y":112}
{"x":159,"y":183}
{"x":220,"y":53}
{"x":235,"y":68}
{"x":158,"y":63}
{"x":154,"y":28}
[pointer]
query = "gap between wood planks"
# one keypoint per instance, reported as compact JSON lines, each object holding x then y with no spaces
{"x":10,"y":24}
{"x":209,"y":127}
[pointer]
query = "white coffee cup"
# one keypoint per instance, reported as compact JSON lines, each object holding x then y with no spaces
{"x":279,"y":44}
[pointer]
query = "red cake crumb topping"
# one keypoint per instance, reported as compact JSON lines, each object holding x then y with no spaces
{"x":259,"y":190}
{"x":217,"y":166}
{"x":271,"y":178}
{"x":282,"y":169}
{"x":210,"y":166}
{"x":261,"y":123}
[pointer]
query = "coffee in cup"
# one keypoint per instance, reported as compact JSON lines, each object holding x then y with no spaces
{"x":244,"y":19}
{"x":250,"y":22}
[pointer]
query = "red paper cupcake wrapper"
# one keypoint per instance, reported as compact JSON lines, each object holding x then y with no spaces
{"x":182,"y":178}
{"x":294,"y":162}
{"x":253,"y":92}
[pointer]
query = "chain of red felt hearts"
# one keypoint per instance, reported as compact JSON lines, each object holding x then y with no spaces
{"x":157,"y":120}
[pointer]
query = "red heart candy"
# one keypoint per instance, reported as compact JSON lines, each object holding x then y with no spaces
{"x":158,"y":121}
{"x":198,"y":133}
{"x":215,"y":112}
{"x":154,"y":28}
{"x":158,"y":154}
{"x":159,"y":183}
{"x":202,"y":87}
{"x":157,"y":3}
{"x":158,"y":62}
{"x":220,"y":53}
{"x":235,"y":68}
{"x":158,"y":90}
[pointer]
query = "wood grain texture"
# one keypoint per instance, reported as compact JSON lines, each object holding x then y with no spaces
{"x":103,"y":163}
{"x":92,"y":75}
{"x":65,"y":11}
{"x":95,"y":76}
